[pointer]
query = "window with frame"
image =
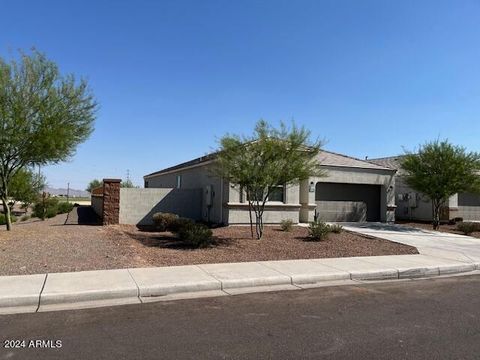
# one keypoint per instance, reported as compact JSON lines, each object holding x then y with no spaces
{"x":277,"y":193}
{"x":179,"y":181}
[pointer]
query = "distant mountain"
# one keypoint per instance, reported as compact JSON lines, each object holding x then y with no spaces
{"x":72,"y":192}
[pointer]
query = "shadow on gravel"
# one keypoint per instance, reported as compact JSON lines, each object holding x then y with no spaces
{"x":167,"y":240}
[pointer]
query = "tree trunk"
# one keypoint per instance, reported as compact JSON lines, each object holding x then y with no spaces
{"x":436,"y":214}
{"x":6,"y":210}
{"x":251,"y":220}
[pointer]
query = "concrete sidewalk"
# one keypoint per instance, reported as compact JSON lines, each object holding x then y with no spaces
{"x":60,"y":291}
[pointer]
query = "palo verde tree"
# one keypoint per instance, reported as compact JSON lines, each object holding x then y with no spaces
{"x":43,"y":116}
{"x":128,"y":184}
{"x":268,"y":158}
{"x":440,"y":170}
{"x":26,"y":186}
{"x":95,"y":183}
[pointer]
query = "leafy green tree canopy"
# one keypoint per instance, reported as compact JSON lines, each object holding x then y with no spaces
{"x":266,"y":159}
{"x":95,"y":183}
{"x":127,"y":184}
{"x":26,"y":186}
{"x":440,"y":170}
{"x":44,"y":116}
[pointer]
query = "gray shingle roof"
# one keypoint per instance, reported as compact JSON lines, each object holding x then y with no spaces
{"x":329,"y":158}
{"x":326,"y":158}
{"x":392,"y":162}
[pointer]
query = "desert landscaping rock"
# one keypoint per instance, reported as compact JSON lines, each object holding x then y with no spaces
{"x":36,"y":247}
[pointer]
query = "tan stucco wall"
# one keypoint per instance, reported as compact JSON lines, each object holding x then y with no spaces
{"x":137,"y":206}
{"x":275,"y":212}
{"x":422,"y":209}
{"x":197,"y":178}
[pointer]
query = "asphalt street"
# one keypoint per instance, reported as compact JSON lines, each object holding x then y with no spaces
{"x":421,"y":319}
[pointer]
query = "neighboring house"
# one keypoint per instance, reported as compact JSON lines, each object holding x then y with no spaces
{"x":353,"y":190}
{"x":412,"y":205}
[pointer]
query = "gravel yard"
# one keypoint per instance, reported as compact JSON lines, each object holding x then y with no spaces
{"x":38,"y":246}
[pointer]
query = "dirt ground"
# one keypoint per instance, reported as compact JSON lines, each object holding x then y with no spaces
{"x":447,"y":228}
{"x":55,"y":245}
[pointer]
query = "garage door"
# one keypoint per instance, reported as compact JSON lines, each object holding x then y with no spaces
{"x":469,"y":206}
{"x":347,"y":202}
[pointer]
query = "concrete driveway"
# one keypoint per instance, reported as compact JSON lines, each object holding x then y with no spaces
{"x":435,"y":243}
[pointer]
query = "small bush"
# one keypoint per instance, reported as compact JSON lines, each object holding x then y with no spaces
{"x":51,"y":212}
{"x":336,"y":228}
{"x":25,"y":218}
{"x":3,"y":219}
{"x":65,"y":207}
{"x":180,"y":223}
{"x":468,"y":227}
{"x":195,"y":235}
{"x":47,"y":208}
{"x":286,"y":225}
{"x":318,"y":231}
{"x":163,"y":221}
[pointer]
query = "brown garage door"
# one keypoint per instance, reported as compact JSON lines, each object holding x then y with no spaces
{"x":347,"y":202}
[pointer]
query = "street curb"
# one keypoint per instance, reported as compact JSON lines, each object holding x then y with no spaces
{"x":129,"y":286}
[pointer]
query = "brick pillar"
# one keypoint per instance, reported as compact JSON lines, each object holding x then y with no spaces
{"x":111,"y":201}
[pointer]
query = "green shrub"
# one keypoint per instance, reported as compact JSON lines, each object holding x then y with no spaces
{"x":3,"y":219}
{"x":51,"y":212}
{"x":25,"y":218}
{"x":336,"y":228}
{"x":286,"y":225}
{"x":65,"y":207}
{"x":468,"y":227}
{"x":195,"y":235}
{"x":179,"y":223}
{"x":164,"y":221}
{"x":46,"y":208}
{"x":318,"y":230}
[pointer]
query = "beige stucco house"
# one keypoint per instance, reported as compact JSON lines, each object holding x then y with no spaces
{"x":412,"y":205}
{"x":353,"y":190}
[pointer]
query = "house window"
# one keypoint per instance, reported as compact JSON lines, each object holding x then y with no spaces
{"x":146,"y":184}
{"x":259,"y":195}
{"x":179,"y":181}
{"x":277,"y":193}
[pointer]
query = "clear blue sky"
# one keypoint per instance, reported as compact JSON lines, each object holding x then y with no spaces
{"x":171,"y":77}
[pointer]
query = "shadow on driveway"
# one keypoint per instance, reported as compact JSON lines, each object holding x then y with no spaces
{"x":386,"y":227}
{"x":82,"y":215}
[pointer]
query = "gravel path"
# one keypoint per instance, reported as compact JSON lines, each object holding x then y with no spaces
{"x":38,"y":246}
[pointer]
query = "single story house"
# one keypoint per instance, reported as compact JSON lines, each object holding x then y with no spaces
{"x":412,"y":205}
{"x":353,"y":190}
